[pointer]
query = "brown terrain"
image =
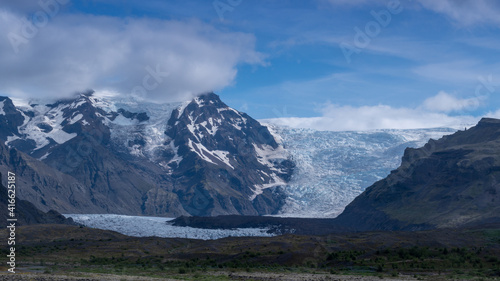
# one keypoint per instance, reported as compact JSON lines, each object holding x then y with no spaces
{"x":52,"y":250}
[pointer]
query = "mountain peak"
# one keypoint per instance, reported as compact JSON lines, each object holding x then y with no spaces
{"x":489,"y":121}
{"x":207,"y":97}
{"x":156,"y":159}
{"x":10,"y":119}
{"x":230,"y":149}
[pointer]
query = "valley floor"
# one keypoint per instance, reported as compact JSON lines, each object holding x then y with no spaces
{"x":61,"y":252}
{"x":82,"y":277}
{"x":257,"y":276}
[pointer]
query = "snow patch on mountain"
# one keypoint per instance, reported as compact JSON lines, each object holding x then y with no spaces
{"x":259,"y":188}
{"x":150,"y":133}
{"x":20,"y":103}
{"x":44,"y":156}
{"x":75,"y":119}
{"x":78,"y":103}
{"x":177,"y":158}
{"x":222,"y":156}
{"x":2,"y":112}
{"x":210,"y":155}
{"x":200,"y":150}
{"x":11,"y":139}
{"x":122,"y":121}
{"x":266,"y":155}
{"x":212,"y":129}
{"x":182,"y":106}
{"x":45,"y":125}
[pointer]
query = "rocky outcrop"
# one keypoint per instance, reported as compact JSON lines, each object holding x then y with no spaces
{"x":451,"y":182}
{"x":10,"y":119}
{"x":26,"y":213}
{"x":44,"y":186}
{"x":230,"y":164}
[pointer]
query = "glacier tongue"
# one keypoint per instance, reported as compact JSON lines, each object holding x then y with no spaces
{"x":334,"y":167}
{"x":141,"y":226}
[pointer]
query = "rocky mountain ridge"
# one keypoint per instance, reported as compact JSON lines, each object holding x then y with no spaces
{"x":199,"y":157}
{"x":450,"y":182}
{"x":26,"y":213}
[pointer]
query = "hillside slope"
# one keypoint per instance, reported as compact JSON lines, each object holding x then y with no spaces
{"x":95,"y":154}
{"x":451,"y":182}
{"x":26,"y":213}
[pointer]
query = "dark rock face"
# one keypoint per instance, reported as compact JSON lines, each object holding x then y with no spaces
{"x":212,"y":159}
{"x":276,"y":225}
{"x":141,"y":117}
{"x":10,"y":119}
{"x":44,"y":186}
{"x":224,"y":150}
{"x":26,"y":213}
{"x":451,"y":182}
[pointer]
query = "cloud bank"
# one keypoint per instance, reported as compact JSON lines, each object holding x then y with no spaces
{"x":432,"y":114}
{"x":444,"y":102}
{"x":52,"y":54}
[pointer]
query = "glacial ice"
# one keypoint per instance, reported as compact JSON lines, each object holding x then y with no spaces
{"x":141,"y":226}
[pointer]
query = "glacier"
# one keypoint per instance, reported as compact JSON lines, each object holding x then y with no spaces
{"x":142,"y":226}
{"x":332,"y":168}
{"x":124,"y":130}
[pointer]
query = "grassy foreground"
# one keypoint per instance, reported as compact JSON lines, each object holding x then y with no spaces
{"x":429,"y":255}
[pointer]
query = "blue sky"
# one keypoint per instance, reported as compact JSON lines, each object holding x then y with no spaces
{"x":409,"y":64}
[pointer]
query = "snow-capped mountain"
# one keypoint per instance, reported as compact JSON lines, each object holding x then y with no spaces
{"x":332,"y":168}
{"x":200,"y":157}
{"x":106,"y":154}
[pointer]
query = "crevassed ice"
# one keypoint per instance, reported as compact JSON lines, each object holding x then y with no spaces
{"x":332,"y":168}
{"x":140,"y":226}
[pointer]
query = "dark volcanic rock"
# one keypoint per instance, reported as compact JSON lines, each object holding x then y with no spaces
{"x":84,"y":155}
{"x":44,"y":186}
{"x":141,"y":117}
{"x":224,"y":168}
{"x":276,"y":225}
{"x":10,"y":120}
{"x":26,"y":213}
{"x":451,"y":182}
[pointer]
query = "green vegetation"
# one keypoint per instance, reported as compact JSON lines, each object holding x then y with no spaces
{"x":462,"y":261}
{"x":460,"y":254}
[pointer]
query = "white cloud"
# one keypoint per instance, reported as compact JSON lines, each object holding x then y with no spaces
{"x":444,"y":102}
{"x":466,"y":12}
{"x":431,"y":114}
{"x":495,"y":114}
{"x":348,"y":118}
{"x":75,"y":52}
